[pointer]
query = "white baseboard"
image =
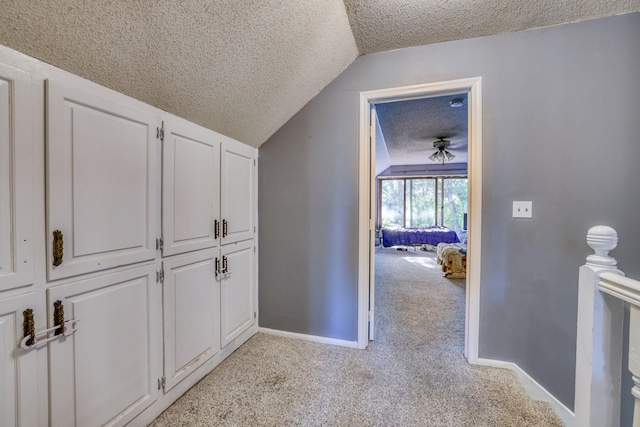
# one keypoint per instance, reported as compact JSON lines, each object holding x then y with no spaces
{"x":313,"y":338}
{"x":533,"y":389}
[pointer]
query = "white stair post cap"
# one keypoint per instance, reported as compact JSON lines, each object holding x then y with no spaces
{"x":602,"y":239}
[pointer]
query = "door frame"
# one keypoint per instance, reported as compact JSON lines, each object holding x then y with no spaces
{"x":366,"y":285}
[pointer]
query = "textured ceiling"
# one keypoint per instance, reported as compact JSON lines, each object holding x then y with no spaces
{"x":241,"y":68}
{"x":245,"y":67}
{"x":410,"y":128}
{"x":380,"y":25}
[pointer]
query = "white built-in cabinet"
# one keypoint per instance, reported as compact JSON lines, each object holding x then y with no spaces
{"x":208,"y":190}
{"x":208,"y":268}
{"x":147,"y":253}
{"x":18,"y":368}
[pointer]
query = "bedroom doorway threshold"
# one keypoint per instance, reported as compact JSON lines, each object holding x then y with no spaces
{"x":366,"y":200}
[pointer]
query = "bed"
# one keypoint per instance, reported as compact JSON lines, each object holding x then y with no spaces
{"x":418,"y":236}
{"x":453,"y":259}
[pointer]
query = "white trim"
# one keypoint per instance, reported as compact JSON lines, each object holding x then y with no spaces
{"x":312,"y":338}
{"x":621,"y":287}
{"x":533,"y":389}
{"x":472,"y":86}
{"x":363,"y":222}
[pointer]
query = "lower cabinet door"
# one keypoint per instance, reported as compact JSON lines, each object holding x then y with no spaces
{"x":18,"y":367}
{"x":191,"y":313}
{"x":237,"y":290}
{"x":106,"y":372}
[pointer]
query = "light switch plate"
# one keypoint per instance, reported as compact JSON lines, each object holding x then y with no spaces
{"x":522,"y":209}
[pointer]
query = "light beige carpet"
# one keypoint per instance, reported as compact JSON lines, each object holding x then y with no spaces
{"x":414,"y":374}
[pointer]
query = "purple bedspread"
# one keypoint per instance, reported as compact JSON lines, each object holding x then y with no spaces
{"x":418,"y":236}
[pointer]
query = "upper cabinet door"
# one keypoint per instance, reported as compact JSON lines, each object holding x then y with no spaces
{"x":191,"y":188}
{"x":237,"y":192}
{"x":16,"y":185}
{"x":101,"y":181}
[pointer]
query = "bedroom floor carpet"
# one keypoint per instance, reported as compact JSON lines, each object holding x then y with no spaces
{"x":413,"y":374}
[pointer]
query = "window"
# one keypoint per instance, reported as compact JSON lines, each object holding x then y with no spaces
{"x":393,"y":205}
{"x":423,"y":202}
{"x":454,"y":202}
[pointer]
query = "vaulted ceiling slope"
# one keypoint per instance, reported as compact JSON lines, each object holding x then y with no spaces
{"x":380,"y":25}
{"x":239,"y":67}
{"x":245,"y":67}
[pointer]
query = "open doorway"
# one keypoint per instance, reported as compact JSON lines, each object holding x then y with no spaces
{"x":471,"y":89}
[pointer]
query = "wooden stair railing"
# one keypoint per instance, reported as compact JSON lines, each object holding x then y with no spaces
{"x":602,"y":292}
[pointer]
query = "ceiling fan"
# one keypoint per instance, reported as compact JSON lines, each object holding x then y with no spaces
{"x":441,"y":153}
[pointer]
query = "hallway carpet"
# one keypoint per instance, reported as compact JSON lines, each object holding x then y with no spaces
{"x":413,"y":374}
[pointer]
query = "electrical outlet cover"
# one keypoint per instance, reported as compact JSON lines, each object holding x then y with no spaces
{"x":522,"y":209}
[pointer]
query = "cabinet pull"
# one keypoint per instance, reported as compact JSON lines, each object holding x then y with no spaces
{"x":58,"y":317}
{"x":58,"y":248}
{"x":216,"y":229}
{"x":29,"y":327}
{"x":223,"y":273}
{"x":225,"y":228}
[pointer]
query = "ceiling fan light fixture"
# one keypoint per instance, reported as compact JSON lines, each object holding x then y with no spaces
{"x":441,"y":153}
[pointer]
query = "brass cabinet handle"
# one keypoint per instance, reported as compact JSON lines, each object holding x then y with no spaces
{"x":217,"y":267}
{"x":29,"y":326}
{"x":216,"y":229}
{"x":225,"y":228}
{"x":58,"y":317}
{"x":225,"y":266}
{"x":58,"y":248}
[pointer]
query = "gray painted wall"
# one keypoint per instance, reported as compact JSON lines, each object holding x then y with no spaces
{"x":561,"y":127}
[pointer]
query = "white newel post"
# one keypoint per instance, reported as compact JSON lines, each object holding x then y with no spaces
{"x":599,"y":337}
